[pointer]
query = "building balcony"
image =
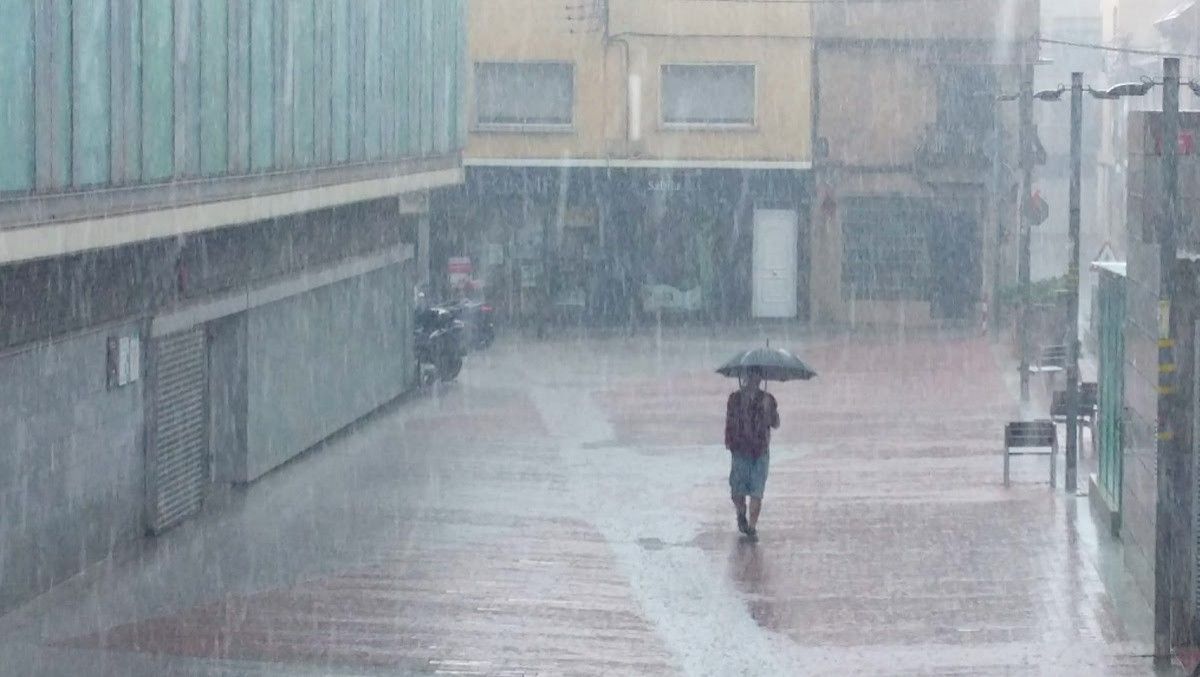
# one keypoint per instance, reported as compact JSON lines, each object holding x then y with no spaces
{"x":954,"y":156}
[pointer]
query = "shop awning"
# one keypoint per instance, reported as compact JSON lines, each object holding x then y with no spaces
{"x":1119,"y":268}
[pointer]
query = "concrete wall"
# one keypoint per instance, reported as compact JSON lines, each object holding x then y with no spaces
{"x":1185,"y":323}
{"x":881,"y":133}
{"x":877,"y":111}
{"x":71,"y":454}
{"x":1140,"y":483}
{"x":1003,"y":20}
{"x":1146,"y":213}
{"x":881,"y":128}
{"x":227,"y":397}
{"x":318,"y":361}
{"x":70,"y":462}
{"x":55,"y":296}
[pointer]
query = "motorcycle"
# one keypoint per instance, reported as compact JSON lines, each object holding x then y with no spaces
{"x":438,"y":344}
{"x":479,"y":321}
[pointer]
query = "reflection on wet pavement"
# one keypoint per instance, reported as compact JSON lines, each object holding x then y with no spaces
{"x":551,"y":515}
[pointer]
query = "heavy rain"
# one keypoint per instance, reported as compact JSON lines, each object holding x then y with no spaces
{"x":599,"y":337}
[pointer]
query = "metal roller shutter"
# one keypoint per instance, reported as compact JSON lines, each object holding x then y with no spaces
{"x":178,"y":460}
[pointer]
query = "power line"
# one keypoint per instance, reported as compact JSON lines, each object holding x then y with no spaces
{"x":1048,"y":41}
{"x":834,"y":2}
{"x":1107,"y":48}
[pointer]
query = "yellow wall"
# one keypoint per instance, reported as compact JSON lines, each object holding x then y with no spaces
{"x":772,"y":36}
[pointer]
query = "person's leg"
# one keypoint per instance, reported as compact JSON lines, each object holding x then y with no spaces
{"x":738,"y":480}
{"x":755,"y":509}
{"x":758,"y":486}
{"x":739,"y":488}
{"x":739,"y":504}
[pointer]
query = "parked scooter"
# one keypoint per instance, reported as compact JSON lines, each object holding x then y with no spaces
{"x":438,"y":344}
{"x":479,"y":321}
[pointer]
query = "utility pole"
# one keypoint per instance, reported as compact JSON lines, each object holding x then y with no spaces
{"x":1073,"y":280}
{"x":1164,"y":554}
{"x":1026,"y":122}
{"x":994,"y":319}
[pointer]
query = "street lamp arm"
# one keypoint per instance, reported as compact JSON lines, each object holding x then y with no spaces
{"x":1129,"y":89}
{"x":1050,"y":94}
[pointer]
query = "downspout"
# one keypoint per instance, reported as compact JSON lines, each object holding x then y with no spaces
{"x":628,"y":103}
{"x":608,"y":40}
{"x":636,"y":263}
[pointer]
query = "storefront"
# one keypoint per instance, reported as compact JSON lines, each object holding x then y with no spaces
{"x":596,"y":243}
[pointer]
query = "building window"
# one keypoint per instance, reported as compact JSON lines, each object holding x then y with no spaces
{"x":708,"y":95}
{"x":885,"y":249}
{"x":524,"y":94}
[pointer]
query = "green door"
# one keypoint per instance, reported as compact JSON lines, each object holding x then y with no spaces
{"x":1112,"y":388}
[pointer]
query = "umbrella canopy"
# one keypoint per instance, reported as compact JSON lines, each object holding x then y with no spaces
{"x":775,"y":364}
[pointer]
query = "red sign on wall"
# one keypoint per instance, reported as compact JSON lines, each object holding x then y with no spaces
{"x":1037,"y":209}
{"x":1186,"y":146}
{"x":459,"y":268}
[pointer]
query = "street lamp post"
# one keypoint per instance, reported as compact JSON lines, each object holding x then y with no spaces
{"x":994,"y":317}
{"x":1073,"y":344}
{"x":1070,"y":482}
{"x":1072,"y":446}
{"x":1025,"y":140}
{"x":1167,"y":416}
{"x":1023,"y":273}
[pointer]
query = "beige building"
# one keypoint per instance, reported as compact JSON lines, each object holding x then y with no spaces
{"x":626,"y":156}
{"x":904,"y":227}
{"x":622,"y":64}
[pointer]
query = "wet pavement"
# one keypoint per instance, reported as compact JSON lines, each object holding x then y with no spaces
{"x":563,"y":509}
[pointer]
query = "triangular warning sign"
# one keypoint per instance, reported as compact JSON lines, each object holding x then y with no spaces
{"x":1106,"y":253}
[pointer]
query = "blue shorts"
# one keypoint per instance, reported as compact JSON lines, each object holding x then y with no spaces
{"x":748,"y":476}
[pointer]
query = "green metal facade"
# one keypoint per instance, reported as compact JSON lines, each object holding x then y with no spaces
{"x":101,"y":93}
{"x":1111,"y":330}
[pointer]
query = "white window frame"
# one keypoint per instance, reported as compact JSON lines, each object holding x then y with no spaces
{"x":478,"y":125}
{"x":726,"y":126}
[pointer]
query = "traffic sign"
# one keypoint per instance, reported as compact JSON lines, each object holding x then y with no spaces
{"x":1037,"y":210}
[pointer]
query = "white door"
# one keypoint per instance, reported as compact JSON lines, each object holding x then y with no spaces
{"x":775,"y":232}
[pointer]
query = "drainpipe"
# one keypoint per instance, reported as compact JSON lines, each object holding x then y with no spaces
{"x":628,"y":87}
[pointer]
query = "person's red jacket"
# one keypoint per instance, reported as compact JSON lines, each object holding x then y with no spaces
{"x":749,"y":417}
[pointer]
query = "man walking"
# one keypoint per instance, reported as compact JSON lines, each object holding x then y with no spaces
{"x":749,"y":416}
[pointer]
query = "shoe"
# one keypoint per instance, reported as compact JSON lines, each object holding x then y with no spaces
{"x":743,"y":525}
{"x":751,"y":533}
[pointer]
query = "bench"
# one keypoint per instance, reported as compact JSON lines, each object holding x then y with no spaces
{"x":1020,"y":437}
{"x":1089,"y":401}
{"x":1089,"y":406}
{"x":1052,"y":361}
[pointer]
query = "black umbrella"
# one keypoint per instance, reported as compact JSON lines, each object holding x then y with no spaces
{"x":773,"y":364}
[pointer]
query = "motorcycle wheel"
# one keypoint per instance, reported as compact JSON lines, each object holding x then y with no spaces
{"x":450,"y":367}
{"x":427,"y":375}
{"x":485,"y":339}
